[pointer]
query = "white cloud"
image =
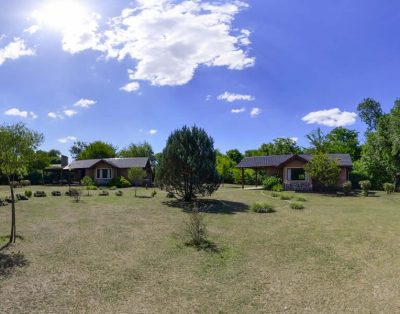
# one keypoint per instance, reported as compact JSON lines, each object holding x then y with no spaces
{"x":67,"y":139}
{"x":15,"y":112}
{"x":70,"y":112}
{"x":15,"y":50}
{"x":33,"y":115}
{"x":130,"y":87}
{"x":153,"y":131}
{"x":332,"y":117}
{"x":55,"y":115}
{"x":255,"y":112}
{"x":238,"y":110}
{"x":294,"y":139}
{"x":231,"y":97}
{"x":84,"y":103}
{"x":208,"y":97}
{"x":32,"y":30}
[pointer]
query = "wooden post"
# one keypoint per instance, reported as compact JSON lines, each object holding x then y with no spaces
{"x":256,"y":177}
{"x":242,"y":178}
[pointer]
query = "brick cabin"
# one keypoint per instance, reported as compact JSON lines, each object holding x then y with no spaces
{"x":290,"y":168}
{"x":102,"y":171}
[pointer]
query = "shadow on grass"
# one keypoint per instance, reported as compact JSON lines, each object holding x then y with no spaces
{"x":11,"y":261}
{"x":143,"y":196}
{"x":206,"y":245}
{"x":209,"y":206}
{"x":356,"y":193}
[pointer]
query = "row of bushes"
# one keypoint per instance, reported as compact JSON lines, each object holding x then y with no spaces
{"x":365,"y":186}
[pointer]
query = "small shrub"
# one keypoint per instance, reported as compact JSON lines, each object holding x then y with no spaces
{"x":154,"y":193}
{"x":389,"y":187}
{"x":296,"y":206}
{"x":25,"y":183}
{"x":365,"y":186}
{"x":21,"y":197}
{"x":28,"y":193}
{"x":285,"y":197}
{"x":113,"y":188}
{"x":56,"y":193}
{"x":347,"y":186}
{"x":39,"y":194}
{"x":196,"y":229}
{"x":3,"y":202}
{"x":270,"y":182}
{"x":262,"y":208}
{"x":170,"y":195}
{"x":301,"y":199}
{"x":275,"y":194}
{"x":119,"y":193}
{"x":76,"y":194}
{"x":104,"y":193}
{"x":277,"y":187}
{"x":120,"y":182}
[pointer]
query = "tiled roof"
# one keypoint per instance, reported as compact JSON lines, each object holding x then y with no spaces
{"x":343,"y":160}
{"x":137,"y":162}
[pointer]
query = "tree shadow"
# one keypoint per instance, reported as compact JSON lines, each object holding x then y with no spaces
{"x":209,"y":206}
{"x":142,"y":196}
{"x":207,"y":246}
{"x":355,"y":193}
{"x":11,"y":261}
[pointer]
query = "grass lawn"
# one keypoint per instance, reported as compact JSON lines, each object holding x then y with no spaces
{"x":125,"y":255}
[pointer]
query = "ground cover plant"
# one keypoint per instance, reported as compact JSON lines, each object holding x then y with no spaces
{"x":120,"y":254}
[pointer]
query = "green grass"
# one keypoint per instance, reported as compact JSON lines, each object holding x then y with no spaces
{"x":123,"y":254}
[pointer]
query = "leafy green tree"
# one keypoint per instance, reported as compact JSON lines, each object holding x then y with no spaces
{"x":136,"y":174}
{"x":224,"y":168}
{"x":41,"y":160}
{"x":342,"y":140}
{"x":137,"y":150}
{"x":188,"y":164}
{"x":318,"y":141}
{"x":17,"y":150}
{"x":370,"y":111}
{"x":77,"y":148}
{"x":279,"y":146}
{"x":97,"y":150}
{"x":54,"y":156}
{"x":87,"y":182}
{"x":235,"y":155}
{"x":323,"y":170}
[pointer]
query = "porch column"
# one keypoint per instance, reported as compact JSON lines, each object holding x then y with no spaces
{"x":242,"y":178}
{"x":256,"y":177}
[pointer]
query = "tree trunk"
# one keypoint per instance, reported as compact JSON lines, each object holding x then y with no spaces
{"x":13,"y":224}
{"x":43,"y":177}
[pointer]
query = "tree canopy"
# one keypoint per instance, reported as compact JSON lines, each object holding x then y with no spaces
{"x":187,"y":167}
{"x":369,"y":111}
{"x":323,"y":170}
{"x":97,"y":150}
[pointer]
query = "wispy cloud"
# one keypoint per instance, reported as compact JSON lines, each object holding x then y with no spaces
{"x":130,"y":87}
{"x":67,"y":139}
{"x":84,"y":103}
{"x":55,"y":115}
{"x":15,"y":50}
{"x":332,"y":117}
{"x":15,"y":112}
{"x":70,"y":112}
{"x":153,"y":131}
{"x":32,"y":29}
{"x":238,"y":110}
{"x":231,"y":97}
{"x":255,"y":112}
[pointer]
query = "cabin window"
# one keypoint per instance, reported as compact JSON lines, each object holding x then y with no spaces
{"x":103,"y":173}
{"x":296,"y":174}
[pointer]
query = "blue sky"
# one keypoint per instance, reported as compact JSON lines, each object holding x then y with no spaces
{"x":247,"y":72}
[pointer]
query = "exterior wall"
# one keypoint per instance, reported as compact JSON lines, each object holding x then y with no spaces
{"x":295,"y":185}
{"x":102,"y":165}
{"x":343,"y":175}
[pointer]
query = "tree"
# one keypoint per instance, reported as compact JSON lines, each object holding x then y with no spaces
{"x":224,"y":168}
{"x":318,"y":141}
{"x":345,"y":141}
{"x":370,"y":112}
{"x":284,"y":146}
{"x":54,"y":156}
{"x":187,"y":167}
{"x":87,"y":181}
{"x":235,"y":155}
{"x":41,"y":160}
{"x":136,"y":174}
{"x":98,"y":150}
{"x":17,"y":150}
{"x":77,"y":149}
{"x":323,"y":170}
{"x":137,"y":150}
